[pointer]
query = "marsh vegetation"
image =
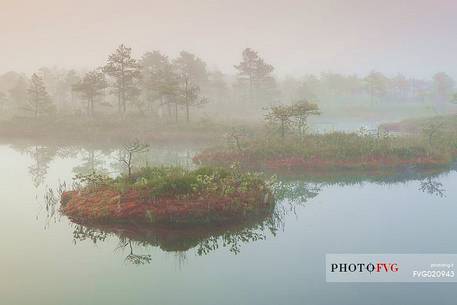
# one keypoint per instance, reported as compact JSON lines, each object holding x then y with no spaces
{"x":169,"y":195}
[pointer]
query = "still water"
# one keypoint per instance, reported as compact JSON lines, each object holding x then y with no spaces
{"x":47,"y":260}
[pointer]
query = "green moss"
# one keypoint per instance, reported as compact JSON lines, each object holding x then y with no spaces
{"x":177,"y":182}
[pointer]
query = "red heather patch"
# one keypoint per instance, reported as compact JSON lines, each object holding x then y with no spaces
{"x":106,"y":205}
{"x":312,"y":163}
{"x":316,"y":163}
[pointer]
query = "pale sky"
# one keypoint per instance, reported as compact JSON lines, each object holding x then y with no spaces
{"x":417,"y":37}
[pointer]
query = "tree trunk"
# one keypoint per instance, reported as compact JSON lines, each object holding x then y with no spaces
{"x":250,"y":88}
{"x":123,"y":87}
{"x":130,"y":164}
{"x":187,"y":101}
{"x":170,"y":115}
{"x":237,"y":142}
{"x":187,"y":113}
{"x":282,"y":129}
{"x":119,"y":101}
{"x":36,"y":109}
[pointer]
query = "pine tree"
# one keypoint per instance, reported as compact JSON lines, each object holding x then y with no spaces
{"x":192,"y":74}
{"x":256,"y":73}
{"x":154,"y":66}
{"x":38,"y":102}
{"x":124,"y":70}
{"x":90,"y":87}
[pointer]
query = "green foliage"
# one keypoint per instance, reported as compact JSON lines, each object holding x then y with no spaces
{"x":212,"y":171}
{"x":175,"y":185}
{"x":90,"y":87}
{"x":124,"y":71}
{"x":288,"y":116}
{"x":92,"y":181}
{"x":282,"y":115}
{"x":338,"y":147}
{"x":39,"y":102}
{"x":177,"y":182}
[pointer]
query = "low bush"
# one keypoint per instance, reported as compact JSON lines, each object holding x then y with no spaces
{"x":170,"y":195}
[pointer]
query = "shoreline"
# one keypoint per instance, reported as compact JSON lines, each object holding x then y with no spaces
{"x":318,"y":165}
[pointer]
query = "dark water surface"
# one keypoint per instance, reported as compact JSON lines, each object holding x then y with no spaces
{"x":45,"y":259}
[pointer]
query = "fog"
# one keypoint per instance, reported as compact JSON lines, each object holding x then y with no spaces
{"x":150,"y":147}
{"x":414,"y":37}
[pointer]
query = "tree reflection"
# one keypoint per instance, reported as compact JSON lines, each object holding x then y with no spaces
{"x":136,"y":259}
{"x":202,"y":239}
{"x":81,"y":233}
{"x":294,"y":194}
{"x":290,"y":193}
{"x":93,"y":161}
{"x":433,"y":187}
{"x":41,"y":157}
{"x":155,"y":156}
{"x":206,"y":239}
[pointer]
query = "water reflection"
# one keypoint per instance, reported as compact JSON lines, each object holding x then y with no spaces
{"x":428,"y":180}
{"x":92,"y":161}
{"x":202,"y":239}
{"x":41,"y":157}
{"x":290,"y":191}
{"x":102,"y":158}
{"x":433,"y":187}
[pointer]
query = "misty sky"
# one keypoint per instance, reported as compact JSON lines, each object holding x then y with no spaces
{"x":417,"y":37}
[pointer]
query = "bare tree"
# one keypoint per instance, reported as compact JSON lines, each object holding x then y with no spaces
{"x":130,"y":150}
{"x":235,"y":136}
{"x":136,"y":259}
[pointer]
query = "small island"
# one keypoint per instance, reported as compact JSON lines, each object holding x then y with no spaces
{"x":169,"y":196}
{"x":287,"y":144}
{"x":334,"y":153}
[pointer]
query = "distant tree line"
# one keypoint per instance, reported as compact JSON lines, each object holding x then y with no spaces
{"x":153,"y":84}
{"x":373,"y":88}
{"x":170,"y":88}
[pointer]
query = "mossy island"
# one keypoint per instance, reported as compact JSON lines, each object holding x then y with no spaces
{"x":171,"y":196}
{"x":335,"y":153}
{"x":287,"y":144}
